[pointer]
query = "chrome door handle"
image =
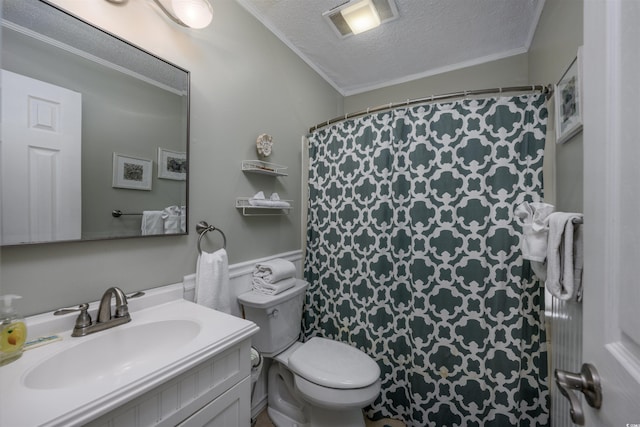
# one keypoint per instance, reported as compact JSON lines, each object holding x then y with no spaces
{"x":587,"y":382}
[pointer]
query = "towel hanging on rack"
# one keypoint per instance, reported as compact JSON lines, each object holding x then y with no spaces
{"x":212,"y":281}
{"x":564,"y":256}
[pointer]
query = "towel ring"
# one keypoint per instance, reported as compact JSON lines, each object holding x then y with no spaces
{"x":202,"y":227}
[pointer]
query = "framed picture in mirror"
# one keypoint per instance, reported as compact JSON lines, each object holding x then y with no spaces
{"x":172,"y":164}
{"x":133,"y":173}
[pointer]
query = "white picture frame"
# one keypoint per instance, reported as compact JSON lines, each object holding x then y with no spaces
{"x":172,"y":164}
{"x":132,"y":173}
{"x":568,"y":101}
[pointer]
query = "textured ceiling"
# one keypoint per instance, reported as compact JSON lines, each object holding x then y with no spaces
{"x":429,"y":37}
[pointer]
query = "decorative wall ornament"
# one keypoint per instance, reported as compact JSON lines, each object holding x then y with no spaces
{"x":568,"y":101}
{"x":133,"y":173}
{"x":172,"y":164}
{"x":264,"y":144}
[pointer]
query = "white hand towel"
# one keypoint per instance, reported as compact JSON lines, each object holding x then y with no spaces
{"x":564,"y":256}
{"x":152,"y":223}
{"x":172,"y":220}
{"x":274,"y":270}
{"x":535,"y":229}
{"x":264,"y":287}
{"x":212,"y":281}
{"x":183,"y":219}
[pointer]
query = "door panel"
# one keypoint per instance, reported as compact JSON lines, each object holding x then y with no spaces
{"x":612,"y":206}
{"x":41,"y":161}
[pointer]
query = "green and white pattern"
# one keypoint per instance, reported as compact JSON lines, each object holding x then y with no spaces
{"x":413,"y":257}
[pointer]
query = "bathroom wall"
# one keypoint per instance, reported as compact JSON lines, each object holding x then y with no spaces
{"x":244,"y":82}
{"x":554,"y":46}
{"x":511,"y":71}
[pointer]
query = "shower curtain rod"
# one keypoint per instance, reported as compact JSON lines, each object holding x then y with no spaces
{"x":548,"y":90}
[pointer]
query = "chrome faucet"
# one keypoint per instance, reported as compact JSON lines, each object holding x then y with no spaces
{"x":84,"y":325}
{"x":104,"y":311}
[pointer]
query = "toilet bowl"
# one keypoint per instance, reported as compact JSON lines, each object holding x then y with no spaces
{"x":318,"y":383}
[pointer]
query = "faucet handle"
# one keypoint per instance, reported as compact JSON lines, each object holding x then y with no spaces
{"x":135,"y":295}
{"x":82,"y":307}
{"x":84,"y":318}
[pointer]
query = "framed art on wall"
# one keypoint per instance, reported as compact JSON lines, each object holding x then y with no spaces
{"x":568,"y":101}
{"x":172,"y":164}
{"x":133,"y":173}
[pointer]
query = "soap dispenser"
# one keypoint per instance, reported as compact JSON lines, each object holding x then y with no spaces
{"x":13,"y":330}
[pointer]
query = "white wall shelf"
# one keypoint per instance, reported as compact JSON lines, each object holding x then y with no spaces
{"x":243,"y":203}
{"x":264,"y":168}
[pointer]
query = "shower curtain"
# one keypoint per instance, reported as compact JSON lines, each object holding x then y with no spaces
{"x":413,"y":256}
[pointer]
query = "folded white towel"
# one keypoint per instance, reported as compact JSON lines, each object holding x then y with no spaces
{"x":212,"y":281}
{"x":264,"y":287}
{"x":535,"y":229}
{"x":152,"y":223}
{"x":274,"y":270}
{"x":274,"y":201}
{"x":564,"y":257}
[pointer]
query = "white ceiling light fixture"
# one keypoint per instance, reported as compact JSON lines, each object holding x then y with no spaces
{"x":358,"y":16}
{"x":192,"y":13}
{"x":188,"y":13}
{"x":361,"y":16}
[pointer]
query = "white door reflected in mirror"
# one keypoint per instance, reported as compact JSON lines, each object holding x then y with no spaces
{"x":41,"y":161}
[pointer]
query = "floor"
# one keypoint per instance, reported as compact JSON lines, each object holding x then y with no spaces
{"x":264,"y":421}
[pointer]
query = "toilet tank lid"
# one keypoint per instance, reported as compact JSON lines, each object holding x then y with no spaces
{"x":260,"y":300}
{"x":333,"y":364}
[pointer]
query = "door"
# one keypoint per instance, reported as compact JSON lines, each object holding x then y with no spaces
{"x":41,"y":161}
{"x":611,"y":316}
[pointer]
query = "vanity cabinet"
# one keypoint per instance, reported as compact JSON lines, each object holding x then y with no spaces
{"x":216,"y":393}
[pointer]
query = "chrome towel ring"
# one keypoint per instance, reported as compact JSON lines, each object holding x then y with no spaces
{"x":202,"y":228}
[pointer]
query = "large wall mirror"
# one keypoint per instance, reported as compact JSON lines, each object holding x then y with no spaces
{"x":95,"y":132}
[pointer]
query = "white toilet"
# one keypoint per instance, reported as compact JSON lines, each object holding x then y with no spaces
{"x":318,"y":383}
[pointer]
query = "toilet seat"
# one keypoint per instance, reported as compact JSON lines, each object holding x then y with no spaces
{"x":336,"y":399}
{"x":333,"y":364}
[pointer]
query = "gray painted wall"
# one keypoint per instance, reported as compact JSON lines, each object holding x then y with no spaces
{"x":510,"y":71}
{"x":244,"y":82}
{"x":554,"y":46}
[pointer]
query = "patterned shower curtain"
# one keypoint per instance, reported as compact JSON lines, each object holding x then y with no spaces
{"x":413,"y":257}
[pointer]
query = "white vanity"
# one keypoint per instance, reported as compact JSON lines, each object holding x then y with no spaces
{"x":175,"y":364}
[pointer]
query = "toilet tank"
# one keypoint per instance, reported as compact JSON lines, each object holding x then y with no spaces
{"x":278,"y":316}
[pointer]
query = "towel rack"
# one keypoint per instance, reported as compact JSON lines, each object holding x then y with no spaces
{"x":117,"y":213}
{"x":202,"y":228}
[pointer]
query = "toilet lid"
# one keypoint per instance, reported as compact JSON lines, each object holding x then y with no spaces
{"x":333,"y":364}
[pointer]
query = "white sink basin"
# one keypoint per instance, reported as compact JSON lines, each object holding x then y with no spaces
{"x":110,"y":354}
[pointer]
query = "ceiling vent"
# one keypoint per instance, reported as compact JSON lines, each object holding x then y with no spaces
{"x":386,"y":11}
